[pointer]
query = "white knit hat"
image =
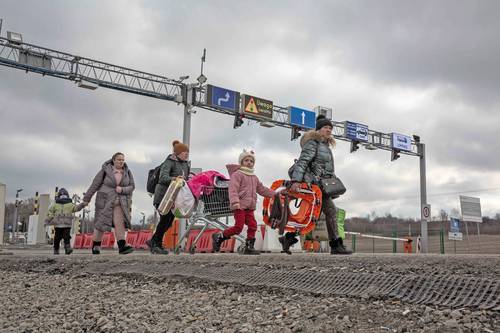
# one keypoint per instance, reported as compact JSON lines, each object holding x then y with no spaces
{"x":246,"y":153}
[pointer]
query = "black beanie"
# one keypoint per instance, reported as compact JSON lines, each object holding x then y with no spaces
{"x":63,"y":196}
{"x":321,"y":121}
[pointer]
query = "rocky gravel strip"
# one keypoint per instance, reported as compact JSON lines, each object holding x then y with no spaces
{"x":51,"y":302}
{"x":62,"y":295}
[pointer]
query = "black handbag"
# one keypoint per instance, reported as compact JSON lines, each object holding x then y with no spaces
{"x":332,"y":187}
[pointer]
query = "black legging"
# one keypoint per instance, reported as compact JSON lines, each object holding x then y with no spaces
{"x":162,"y":227}
{"x":61,"y":233}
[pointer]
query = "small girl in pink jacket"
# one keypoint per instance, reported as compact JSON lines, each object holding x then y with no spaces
{"x":243,"y":189}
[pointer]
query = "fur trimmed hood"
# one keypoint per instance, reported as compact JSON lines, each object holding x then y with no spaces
{"x":315,"y":135}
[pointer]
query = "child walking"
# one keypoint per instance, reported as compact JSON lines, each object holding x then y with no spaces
{"x":61,"y":215}
{"x":244,"y":186}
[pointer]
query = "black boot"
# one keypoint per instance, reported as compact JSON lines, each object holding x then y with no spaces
{"x":67,"y":248}
{"x":337,"y":247}
{"x":155,"y":247}
{"x":286,"y":241}
{"x":217,"y":240}
{"x":341,"y":245}
{"x":56,"y":251}
{"x":124,"y":248}
{"x":250,"y":247}
{"x":96,"y":247}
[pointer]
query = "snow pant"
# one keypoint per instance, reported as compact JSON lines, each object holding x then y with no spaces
{"x":61,"y":233}
{"x":118,"y":224}
{"x":328,"y":208}
{"x":242,"y":217}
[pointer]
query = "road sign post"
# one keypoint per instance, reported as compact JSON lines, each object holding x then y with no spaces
{"x":423,"y":196}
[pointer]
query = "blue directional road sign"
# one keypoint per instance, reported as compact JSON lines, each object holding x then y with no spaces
{"x":400,"y":141}
{"x":223,"y":98}
{"x":301,"y":118}
{"x":454,"y":225}
{"x":356,"y":132}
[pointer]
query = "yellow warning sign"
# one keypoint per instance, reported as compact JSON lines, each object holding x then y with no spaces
{"x":257,"y":106}
{"x":251,"y":107}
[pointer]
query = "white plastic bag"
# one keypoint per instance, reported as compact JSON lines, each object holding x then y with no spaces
{"x":184,"y":203}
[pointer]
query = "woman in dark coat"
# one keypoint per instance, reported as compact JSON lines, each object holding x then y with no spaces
{"x":175,"y":165}
{"x":314,"y":164}
{"x":114,"y":185}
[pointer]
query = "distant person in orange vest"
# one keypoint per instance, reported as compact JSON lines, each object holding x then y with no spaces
{"x":175,"y":165}
{"x":244,"y":186}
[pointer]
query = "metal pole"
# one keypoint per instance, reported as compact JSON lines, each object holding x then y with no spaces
{"x":15,"y":220}
{"x":186,"y":138}
{"x":478,"y":236}
{"x":186,"y":131}
{"x":3,"y":191}
{"x":14,"y":225}
{"x":423,"y":197}
{"x":467,"y":232}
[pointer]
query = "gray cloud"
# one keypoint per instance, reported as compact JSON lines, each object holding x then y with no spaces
{"x":427,"y":68}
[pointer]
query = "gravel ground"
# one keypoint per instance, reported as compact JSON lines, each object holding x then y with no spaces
{"x":81,"y":293}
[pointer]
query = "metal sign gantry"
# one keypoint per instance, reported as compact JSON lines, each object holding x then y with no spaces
{"x":88,"y":73}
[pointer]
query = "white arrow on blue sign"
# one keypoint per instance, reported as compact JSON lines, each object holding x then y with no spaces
{"x":223,"y":98}
{"x":301,"y":118}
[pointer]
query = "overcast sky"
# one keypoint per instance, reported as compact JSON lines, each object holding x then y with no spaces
{"x":428,"y":68}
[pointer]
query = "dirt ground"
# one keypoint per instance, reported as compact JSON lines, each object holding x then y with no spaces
{"x":40,"y":292}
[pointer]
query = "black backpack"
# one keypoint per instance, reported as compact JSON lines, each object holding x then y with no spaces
{"x":153,"y":178}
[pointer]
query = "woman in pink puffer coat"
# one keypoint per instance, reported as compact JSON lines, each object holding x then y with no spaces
{"x":243,"y":189}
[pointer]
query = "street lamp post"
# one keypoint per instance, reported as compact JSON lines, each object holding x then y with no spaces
{"x":143,"y":220}
{"x":14,"y":224}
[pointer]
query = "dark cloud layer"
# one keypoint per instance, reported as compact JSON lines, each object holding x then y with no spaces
{"x":426,"y":68}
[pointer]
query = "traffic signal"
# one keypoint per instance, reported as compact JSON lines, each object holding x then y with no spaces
{"x":394,"y":154}
{"x":295,"y":132}
{"x":238,"y":120}
{"x":354,"y":146}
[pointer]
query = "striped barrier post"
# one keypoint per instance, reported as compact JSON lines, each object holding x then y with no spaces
{"x":35,"y":207}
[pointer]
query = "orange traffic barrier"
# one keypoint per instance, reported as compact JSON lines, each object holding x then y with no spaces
{"x":108,"y":240}
{"x":142,"y":237}
{"x":87,"y":241}
{"x":78,"y":241}
{"x":171,"y":237}
{"x":132,"y":238}
{"x":309,"y":208}
{"x":204,"y":244}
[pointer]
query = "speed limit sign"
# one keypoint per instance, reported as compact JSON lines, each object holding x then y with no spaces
{"x":426,"y":212}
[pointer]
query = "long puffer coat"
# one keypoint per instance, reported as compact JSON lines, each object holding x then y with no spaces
{"x":104,"y":184}
{"x":316,"y":159}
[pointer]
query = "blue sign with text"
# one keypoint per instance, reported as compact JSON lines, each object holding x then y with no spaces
{"x":223,"y":98}
{"x":401,"y":142}
{"x":454,"y":225}
{"x":301,"y":118}
{"x":356,"y":132}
